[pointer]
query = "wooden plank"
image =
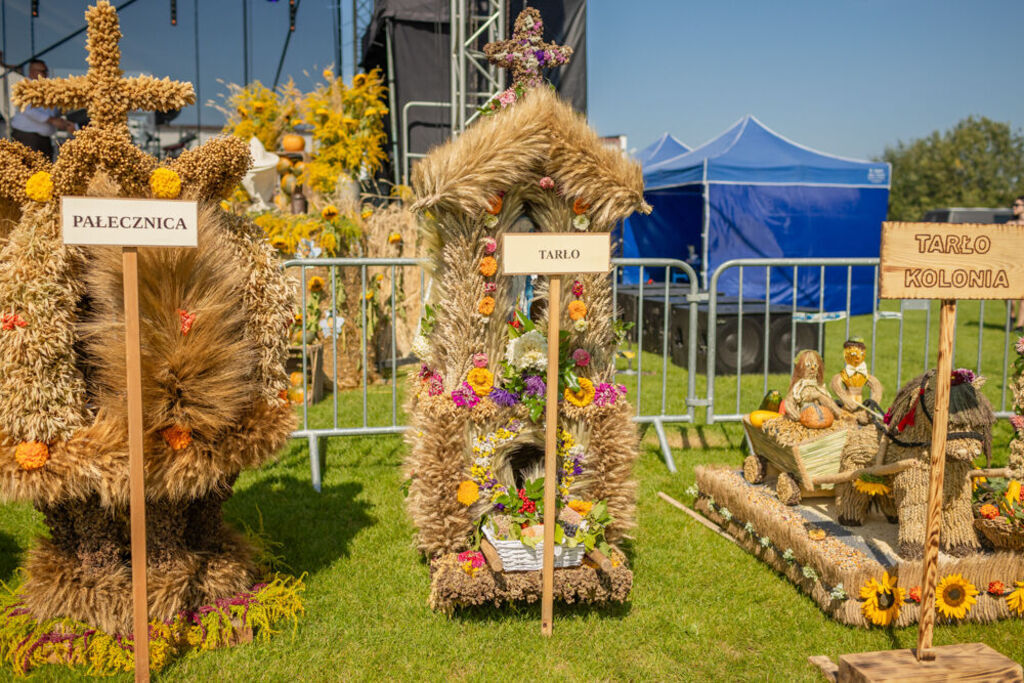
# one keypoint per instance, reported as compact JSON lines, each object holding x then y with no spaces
{"x":939,"y":260}
{"x":136,"y":470}
{"x":961,"y":662}
{"x":828,"y":668}
{"x":602,"y":561}
{"x":550,"y":456}
{"x":700,"y":519}
{"x":940,"y":417}
{"x":877,"y":470}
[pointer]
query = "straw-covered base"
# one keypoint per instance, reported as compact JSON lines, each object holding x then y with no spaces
{"x":831,"y":563}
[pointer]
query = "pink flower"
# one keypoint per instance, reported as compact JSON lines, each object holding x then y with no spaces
{"x":490,"y":245}
{"x":435,"y":385}
{"x":1019,"y":346}
{"x":577,"y":289}
{"x":546,"y":183}
{"x":480,"y":360}
{"x":1018,"y":423}
{"x":581,"y":358}
{"x":490,"y":288}
{"x":508,"y":97}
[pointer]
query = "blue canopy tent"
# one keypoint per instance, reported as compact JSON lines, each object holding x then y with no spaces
{"x":665,"y":147}
{"x":751,"y":193}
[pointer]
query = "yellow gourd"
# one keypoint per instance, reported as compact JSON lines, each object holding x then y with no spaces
{"x":759,"y":417}
{"x":292,"y":142}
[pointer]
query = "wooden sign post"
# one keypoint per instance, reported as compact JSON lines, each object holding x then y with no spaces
{"x":945,"y":262}
{"x":131,"y":223}
{"x":553,"y":254}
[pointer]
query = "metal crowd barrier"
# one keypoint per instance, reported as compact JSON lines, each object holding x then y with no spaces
{"x":892,"y":373}
{"x":678,"y":332}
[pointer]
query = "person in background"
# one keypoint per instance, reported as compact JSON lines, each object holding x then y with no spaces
{"x":33,"y":126}
{"x":5,"y":91}
{"x":1018,"y":219}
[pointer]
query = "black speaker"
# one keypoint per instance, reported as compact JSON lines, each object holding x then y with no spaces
{"x":729,"y":355}
{"x":780,"y":340}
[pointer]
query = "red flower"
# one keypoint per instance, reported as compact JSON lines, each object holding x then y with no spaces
{"x":577,"y":289}
{"x":915,"y":594}
{"x":528,"y":507}
{"x":12,"y":320}
{"x":996,"y":588}
{"x":187,"y":319}
{"x":988,"y":511}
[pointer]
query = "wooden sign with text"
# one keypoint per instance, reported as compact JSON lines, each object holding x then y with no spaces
{"x":129,"y":222}
{"x":951,"y":261}
{"x":556,"y":253}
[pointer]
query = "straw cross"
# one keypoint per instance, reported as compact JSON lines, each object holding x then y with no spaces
{"x":103,"y":90}
{"x":525,"y":54}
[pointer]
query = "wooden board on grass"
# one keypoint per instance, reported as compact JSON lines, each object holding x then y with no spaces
{"x":965,"y":661}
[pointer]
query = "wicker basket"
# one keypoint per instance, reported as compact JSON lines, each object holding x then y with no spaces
{"x":1001,"y":533}
{"x":519,"y":557}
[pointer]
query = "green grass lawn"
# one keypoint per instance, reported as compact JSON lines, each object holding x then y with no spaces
{"x":701,"y":608}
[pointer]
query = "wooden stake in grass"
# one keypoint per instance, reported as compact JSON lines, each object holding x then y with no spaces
{"x":553,"y":254}
{"x":186,"y":215}
{"x":947,"y":324}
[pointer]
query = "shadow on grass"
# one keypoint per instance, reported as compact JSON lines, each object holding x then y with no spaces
{"x":10,"y":557}
{"x":531,"y":612}
{"x":314,"y":529}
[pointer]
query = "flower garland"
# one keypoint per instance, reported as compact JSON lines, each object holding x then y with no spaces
{"x":481,"y":473}
{"x":570,"y":457}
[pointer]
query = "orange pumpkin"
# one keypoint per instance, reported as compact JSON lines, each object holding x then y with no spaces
{"x":292,"y":142}
{"x":816,"y":417}
{"x":284,"y":164}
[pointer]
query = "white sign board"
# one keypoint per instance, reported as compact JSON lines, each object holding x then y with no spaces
{"x":130,"y":222}
{"x":553,"y":253}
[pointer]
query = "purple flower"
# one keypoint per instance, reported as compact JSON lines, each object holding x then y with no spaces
{"x":424,"y":371}
{"x":499,"y":507}
{"x":535,"y":386}
{"x":1018,"y":423}
{"x":541,"y":55}
{"x":464,"y":396}
{"x":581,"y":358}
{"x":504,"y":398}
{"x":961,"y":376}
{"x":576,"y":469}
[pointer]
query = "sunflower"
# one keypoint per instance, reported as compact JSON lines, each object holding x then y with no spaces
{"x":1015,"y":600}
{"x":279,"y":243}
{"x":955,"y":596}
{"x":584,"y":396}
{"x":488,"y":266}
{"x":577,"y":310}
{"x":871,"y":484}
{"x":359,"y":80}
{"x":486,"y":306}
{"x":316,"y":284}
{"x":468,"y":493}
{"x":882,"y":600}
{"x":329,"y":212}
{"x":482,"y":381}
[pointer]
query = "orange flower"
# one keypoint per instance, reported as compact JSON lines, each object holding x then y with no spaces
{"x":996,"y":588}
{"x":988,"y":511}
{"x":577,"y":310}
{"x":494,"y":208}
{"x":579,"y":207}
{"x":486,"y":306}
{"x":177,"y":437}
{"x":31,"y":455}
{"x":488,"y":266}
{"x":915,"y":594}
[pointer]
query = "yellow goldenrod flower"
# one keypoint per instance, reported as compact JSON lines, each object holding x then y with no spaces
{"x":165,"y":183}
{"x":39,"y":187}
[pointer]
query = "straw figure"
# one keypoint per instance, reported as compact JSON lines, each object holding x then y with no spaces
{"x":970,"y":435}
{"x":807,"y":400}
{"x":848,"y":384}
{"x":213,"y":342}
{"x":534,"y":164}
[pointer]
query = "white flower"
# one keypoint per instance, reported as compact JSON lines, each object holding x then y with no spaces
{"x":580,"y":325}
{"x":726,"y":515}
{"x":765,"y":541}
{"x":788,"y":555}
{"x":692,"y":490}
{"x":420,"y":347}
{"x":748,"y":527}
{"x":528,"y":352}
{"x":838,"y":593}
{"x":581,"y":222}
{"x":810,"y":573}
{"x":490,"y":220}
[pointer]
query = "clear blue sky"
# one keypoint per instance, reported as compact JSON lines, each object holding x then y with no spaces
{"x":845,"y":77}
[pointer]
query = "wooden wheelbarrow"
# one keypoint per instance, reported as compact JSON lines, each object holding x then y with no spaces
{"x":810,"y":469}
